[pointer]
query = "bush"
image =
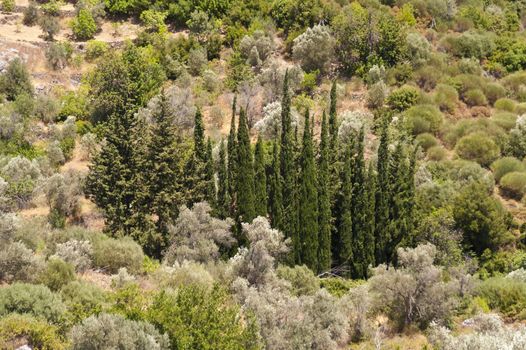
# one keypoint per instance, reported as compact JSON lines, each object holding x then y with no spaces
{"x":82,"y":300}
{"x":403,"y":98}
{"x":469,"y":44}
{"x":301,"y":278}
{"x":314,"y":48}
{"x":426,"y":141}
{"x":57,"y":274}
{"x":95,"y":49}
{"x":505,"y":120}
{"x":30,"y":14}
{"x":36,"y":300}
{"x":479,"y":147}
{"x":494,"y":92}
{"x":513,"y":184}
{"x":59,"y":54}
{"x":506,"y":295}
{"x":423,"y":118}
{"x":506,"y":165}
{"x":50,"y":26}
{"x":115,"y":332}
{"x":83,"y":26}
{"x":16,"y":80}
{"x":153,"y":20}
{"x":376,"y":95}
{"x":111,"y":254}
{"x":446,"y":97}
{"x":197,"y":60}
{"x":505,"y":104}
{"x":475,"y":97}
{"x":8,"y":5}
{"x":18,"y":263}
{"x":436,"y":153}
{"x":37,"y":333}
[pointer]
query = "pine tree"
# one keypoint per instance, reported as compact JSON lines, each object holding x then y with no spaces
{"x":344,"y":220}
{"x":324,"y":201}
{"x":223,"y":197}
{"x":275,"y":202}
{"x":382,"y":234}
{"x":232,"y":160}
{"x":245,"y":175}
{"x":288,"y":173}
{"x":260,"y":180}
{"x":359,"y":209}
{"x":308,"y":203}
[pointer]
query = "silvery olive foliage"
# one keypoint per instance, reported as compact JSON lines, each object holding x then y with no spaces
{"x":107,"y":331}
{"x":19,"y":263}
{"x":351,"y":122}
{"x":270,"y":125}
{"x":314,"y":49}
{"x":489,"y":333}
{"x":419,"y":49}
{"x":272,"y":75}
{"x":122,"y":278}
{"x":77,"y":253}
{"x":197,"y":236}
{"x":256,"y":48}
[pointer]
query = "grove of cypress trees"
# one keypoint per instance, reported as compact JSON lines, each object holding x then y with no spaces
{"x":245,"y":174}
{"x":260,"y":180}
{"x":308,"y":203}
{"x":275,"y":190}
{"x":324,"y":201}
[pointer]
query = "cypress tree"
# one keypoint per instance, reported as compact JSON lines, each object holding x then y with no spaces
{"x":209,"y":172}
{"x":369,"y":241}
{"x":245,"y":175}
{"x":308,"y":203}
{"x":197,"y":172}
{"x":288,"y":173}
{"x":359,"y":209}
{"x":260,"y":181}
{"x":275,"y":202}
{"x":324,"y":201}
{"x":163,"y":174}
{"x":223,"y":197}
{"x":333,"y":122}
{"x":232,"y":160}
{"x":344,"y":218}
{"x":382,"y":234}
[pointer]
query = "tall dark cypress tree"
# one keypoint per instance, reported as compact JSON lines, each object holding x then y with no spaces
{"x":163,"y":175}
{"x":324,"y":201}
{"x":288,"y":173}
{"x":369,"y":241}
{"x":344,"y":220}
{"x":245,"y":174}
{"x":197,"y":182}
{"x":308,"y":203}
{"x":382,"y":235}
{"x":275,"y":190}
{"x":359,"y":209}
{"x":223,"y":197}
{"x":260,"y":181}
{"x":333,"y":122}
{"x":209,"y":171}
{"x":232,"y":160}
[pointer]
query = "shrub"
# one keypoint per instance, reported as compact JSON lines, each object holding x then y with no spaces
{"x":111,"y":254}
{"x":115,"y":332}
{"x":49,"y":25}
{"x":494,"y":92}
{"x":446,"y":97}
{"x":18,"y":263}
{"x":505,"y":120}
{"x":82,"y":300}
{"x":197,"y":60}
{"x":513,"y":184}
{"x":436,"y":153}
{"x":36,"y":300}
{"x":37,"y":333}
{"x":314,"y":48}
{"x":59,"y":54}
{"x":470,"y":44}
{"x":423,"y":118}
{"x":505,"y":104}
{"x":520,"y":108}
{"x":77,"y":253}
{"x":83,"y":25}
{"x":515,"y":84}
{"x":417,"y":293}
{"x":475,"y":97}
{"x":517,"y":143}
{"x":479,"y":147}
{"x":154,"y":20}
{"x":403,"y":98}
{"x":301,"y":278}
{"x":376,"y":95}
{"x":418,"y":48}
{"x":259,"y":42}
{"x":505,"y":165}
{"x":30,"y":14}
{"x":95,"y":49}
{"x":16,"y":80}
{"x":57,"y":274}
{"x":8,"y":5}
{"x":506,"y":295}
{"x":426,"y":141}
